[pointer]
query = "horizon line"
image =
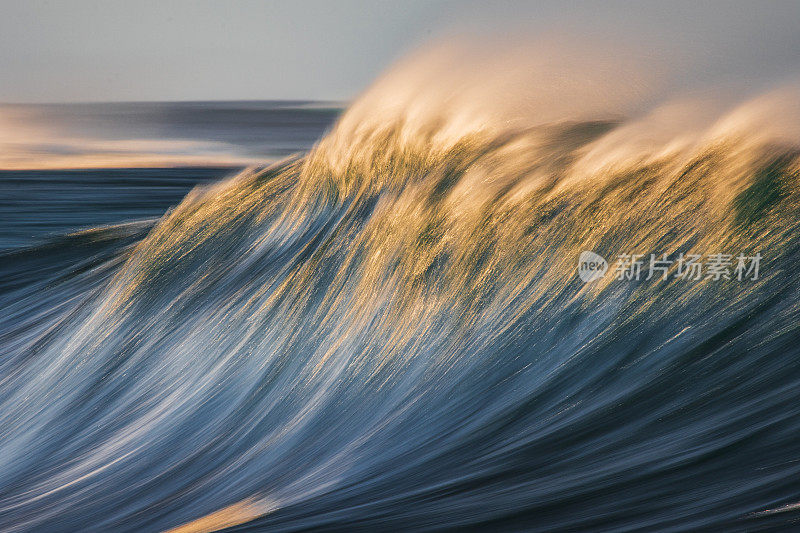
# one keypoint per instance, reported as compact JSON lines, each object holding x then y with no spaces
{"x":335,"y":103}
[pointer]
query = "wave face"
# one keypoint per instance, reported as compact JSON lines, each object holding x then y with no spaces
{"x":389,"y":332}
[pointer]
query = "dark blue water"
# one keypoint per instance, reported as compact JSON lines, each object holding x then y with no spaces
{"x":39,"y":204}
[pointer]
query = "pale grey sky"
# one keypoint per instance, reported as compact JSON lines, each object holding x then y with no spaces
{"x":84,"y":50}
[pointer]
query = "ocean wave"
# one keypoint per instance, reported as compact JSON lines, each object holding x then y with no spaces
{"x":389,"y":331}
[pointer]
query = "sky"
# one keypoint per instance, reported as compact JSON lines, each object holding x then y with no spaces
{"x":81,"y":50}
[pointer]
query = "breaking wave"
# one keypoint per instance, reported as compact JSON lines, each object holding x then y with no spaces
{"x":389,"y":331}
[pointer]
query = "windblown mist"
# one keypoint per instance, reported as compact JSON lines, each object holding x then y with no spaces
{"x":386,"y":330}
